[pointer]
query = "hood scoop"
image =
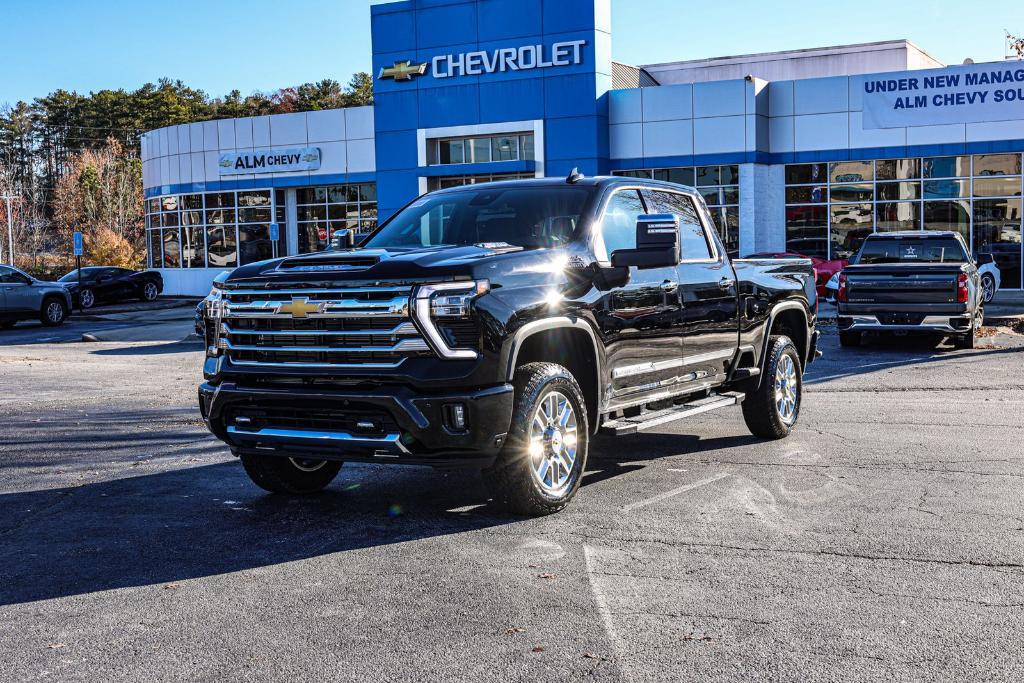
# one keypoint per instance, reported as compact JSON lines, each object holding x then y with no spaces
{"x":340,"y":262}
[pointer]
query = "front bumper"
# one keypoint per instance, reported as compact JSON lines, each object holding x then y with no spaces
{"x":395,"y":425}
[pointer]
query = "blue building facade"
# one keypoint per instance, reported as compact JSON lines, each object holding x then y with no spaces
{"x":806,"y":151}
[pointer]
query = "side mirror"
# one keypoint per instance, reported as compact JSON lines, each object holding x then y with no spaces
{"x":343,"y":239}
{"x":985,"y":259}
{"x":657,"y":243}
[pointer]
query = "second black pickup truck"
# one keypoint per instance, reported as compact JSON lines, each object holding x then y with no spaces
{"x":913,"y":281}
{"x":501,"y":326}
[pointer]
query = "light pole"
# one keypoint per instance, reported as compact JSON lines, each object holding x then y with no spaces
{"x":10,"y":227}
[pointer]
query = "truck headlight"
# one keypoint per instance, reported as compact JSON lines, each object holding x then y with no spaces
{"x":213,"y":313}
{"x":441,"y":309}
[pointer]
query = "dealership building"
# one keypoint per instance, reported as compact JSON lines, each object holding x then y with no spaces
{"x":805,"y":151}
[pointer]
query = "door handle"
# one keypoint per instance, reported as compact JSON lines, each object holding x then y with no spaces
{"x":669,"y":286}
{"x":726,"y":283}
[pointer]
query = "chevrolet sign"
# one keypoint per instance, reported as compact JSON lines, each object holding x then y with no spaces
{"x":269,"y":161}
{"x":478,"y":63}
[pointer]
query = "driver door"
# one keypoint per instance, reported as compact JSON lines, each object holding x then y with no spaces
{"x":639,"y":321}
{"x":17,"y":292}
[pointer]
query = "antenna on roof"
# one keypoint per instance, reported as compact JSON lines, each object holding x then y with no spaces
{"x":574,"y":176}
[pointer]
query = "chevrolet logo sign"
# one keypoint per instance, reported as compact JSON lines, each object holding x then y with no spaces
{"x":403,"y":71}
{"x":300,"y":307}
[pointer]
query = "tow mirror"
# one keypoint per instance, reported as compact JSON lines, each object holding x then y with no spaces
{"x":657,"y":243}
{"x":343,"y":239}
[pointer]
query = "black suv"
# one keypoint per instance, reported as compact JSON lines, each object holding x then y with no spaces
{"x":500,"y":326}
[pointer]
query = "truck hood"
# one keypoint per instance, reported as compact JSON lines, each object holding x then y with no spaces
{"x":393,"y":264}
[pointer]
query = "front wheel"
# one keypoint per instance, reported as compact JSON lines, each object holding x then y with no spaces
{"x":539,"y":470}
{"x":289,"y":475}
{"x":772,"y":409}
{"x":968,"y":340}
{"x":988,"y":287}
{"x":87,"y":298}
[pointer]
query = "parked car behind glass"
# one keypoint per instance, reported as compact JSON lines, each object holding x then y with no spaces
{"x":103,"y":284}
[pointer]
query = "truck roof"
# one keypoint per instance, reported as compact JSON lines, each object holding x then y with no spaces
{"x":593,"y":181}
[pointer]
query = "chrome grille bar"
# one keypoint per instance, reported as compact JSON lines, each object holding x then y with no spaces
{"x":352,"y":342}
{"x":404,"y":329}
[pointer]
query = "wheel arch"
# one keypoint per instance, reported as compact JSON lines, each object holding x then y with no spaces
{"x":789,"y":318}
{"x":569,"y":342}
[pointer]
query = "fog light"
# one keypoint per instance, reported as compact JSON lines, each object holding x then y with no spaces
{"x":455,"y":416}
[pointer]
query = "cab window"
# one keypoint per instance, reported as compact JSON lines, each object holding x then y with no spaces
{"x":618,"y":229}
{"x":693,"y":242}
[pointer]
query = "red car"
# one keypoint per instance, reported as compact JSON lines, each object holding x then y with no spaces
{"x":823,"y":270}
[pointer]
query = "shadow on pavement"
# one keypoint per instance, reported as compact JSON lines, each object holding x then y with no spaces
{"x":209,"y":520}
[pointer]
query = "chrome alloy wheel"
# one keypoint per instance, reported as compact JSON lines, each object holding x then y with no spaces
{"x":553,"y":442}
{"x":87,"y":298}
{"x":307,"y":465}
{"x":149,"y":291}
{"x":54,"y":312}
{"x":786,"y":389}
{"x":988,"y":288}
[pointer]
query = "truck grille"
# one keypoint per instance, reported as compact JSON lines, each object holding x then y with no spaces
{"x":357,"y":327}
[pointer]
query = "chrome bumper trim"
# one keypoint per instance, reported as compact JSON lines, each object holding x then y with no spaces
{"x":392,"y":442}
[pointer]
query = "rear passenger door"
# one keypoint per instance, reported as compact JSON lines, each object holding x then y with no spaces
{"x":709,"y":318}
{"x":638,"y":320}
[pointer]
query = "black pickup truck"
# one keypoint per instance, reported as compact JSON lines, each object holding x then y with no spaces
{"x":500,"y":326}
{"x":913,"y":281}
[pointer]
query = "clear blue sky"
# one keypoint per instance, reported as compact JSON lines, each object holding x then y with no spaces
{"x":218,"y":45}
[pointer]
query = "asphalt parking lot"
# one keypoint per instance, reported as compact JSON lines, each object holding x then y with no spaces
{"x":883,"y":541}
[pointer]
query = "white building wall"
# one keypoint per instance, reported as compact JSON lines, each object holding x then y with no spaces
{"x":189,"y":153}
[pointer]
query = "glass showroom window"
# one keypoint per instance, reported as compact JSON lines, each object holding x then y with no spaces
{"x":209,"y":230}
{"x":481,"y":150}
{"x":440,"y":183}
{"x":830,"y":208}
{"x":322,"y":210}
{"x":718,"y":185}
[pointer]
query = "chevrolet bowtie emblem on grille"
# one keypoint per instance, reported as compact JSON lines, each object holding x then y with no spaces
{"x":403,"y":71}
{"x":300,"y":308}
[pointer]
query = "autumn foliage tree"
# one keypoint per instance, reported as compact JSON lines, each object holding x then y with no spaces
{"x":100,"y":195}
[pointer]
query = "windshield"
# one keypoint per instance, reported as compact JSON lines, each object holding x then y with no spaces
{"x":912,"y":250}
{"x":528,"y":217}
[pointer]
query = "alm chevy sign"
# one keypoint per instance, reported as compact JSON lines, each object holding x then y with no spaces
{"x":480,"y":62}
{"x":269,"y":161}
{"x":967,"y":94}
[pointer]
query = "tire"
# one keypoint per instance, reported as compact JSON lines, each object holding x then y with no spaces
{"x":772,"y":410}
{"x":849,"y":339}
{"x":150,"y":291}
{"x":988,"y":287}
{"x":289,"y":475}
{"x":539,"y":470}
{"x":54,"y":312}
{"x":968,"y":340}
{"x":86,"y":298}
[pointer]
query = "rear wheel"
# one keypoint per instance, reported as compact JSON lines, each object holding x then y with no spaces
{"x":54,"y":312}
{"x":539,"y":470}
{"x":849,"y":339}
{"x":289,"y":475}
{"x":967,"y":340}
{"x":150,"y":291}
{"x":772,"y":409}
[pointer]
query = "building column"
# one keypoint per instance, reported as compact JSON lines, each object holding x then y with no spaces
{"x":762,"y":208}
{"x":291,"y":215}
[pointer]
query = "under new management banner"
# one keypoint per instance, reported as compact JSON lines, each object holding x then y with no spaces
{"x":961,"y":94}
